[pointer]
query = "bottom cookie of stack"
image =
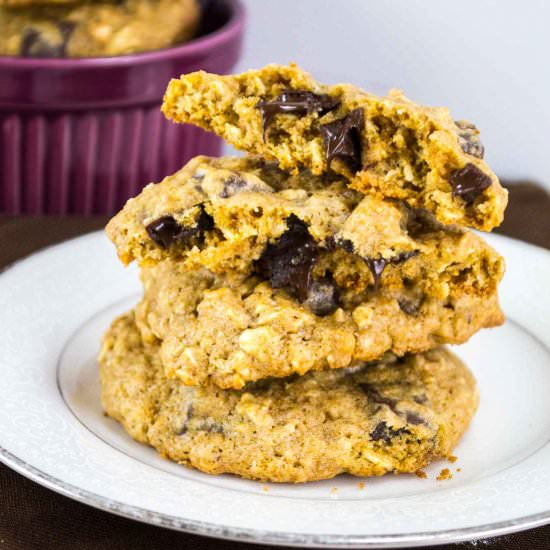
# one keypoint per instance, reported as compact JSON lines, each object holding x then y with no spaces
{"x":393,"y":415}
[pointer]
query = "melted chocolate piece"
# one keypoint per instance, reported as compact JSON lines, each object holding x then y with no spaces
{"x":469,"y":182}
{"x":34,"y":43}
{"x":468,"y":138}
{"x":322,"y":297}
{"x":342,"y":139}
{"x":384,"y":432}
{"x":297,"y":102}
{"x":377,"y":265}
{"x":166,"y":231}
{"x":288,"y":263}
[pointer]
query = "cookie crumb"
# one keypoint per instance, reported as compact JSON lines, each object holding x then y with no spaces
{"x":459,"y":469}
{"x":361,"y":485}
{"x":452,"y":459}
{"x":334,"y":490}
{"x":265,"y":488}
{"x":421,"y":474}
{"x":444,"y":474}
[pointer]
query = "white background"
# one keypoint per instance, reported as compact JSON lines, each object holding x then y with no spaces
{"x":487,"y":60}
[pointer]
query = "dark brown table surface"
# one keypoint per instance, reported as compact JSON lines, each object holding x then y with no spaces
{"x":32,"y":517}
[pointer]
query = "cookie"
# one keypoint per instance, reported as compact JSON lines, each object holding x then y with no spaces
{"x":305,"y":234}
{"x":96,"y":29}
{"x":385,"y":146}
{"x":223,"y":212}
{"x":35,"y":2}
{"x":229,"y":330}
{"x":396,"y":415}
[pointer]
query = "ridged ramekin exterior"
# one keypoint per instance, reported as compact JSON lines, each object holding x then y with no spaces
{"x":90,"y":162}
{"x":94,"y":139}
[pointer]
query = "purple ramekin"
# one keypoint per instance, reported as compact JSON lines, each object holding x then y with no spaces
{"x":81,"y":136}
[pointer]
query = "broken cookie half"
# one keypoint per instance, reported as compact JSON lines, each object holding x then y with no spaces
{"x":383,"y":146}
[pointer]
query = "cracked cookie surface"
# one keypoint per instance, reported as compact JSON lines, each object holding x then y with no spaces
{"x":385,"y":146}
{"x":95,"y":29}
{"x":396,"y":415}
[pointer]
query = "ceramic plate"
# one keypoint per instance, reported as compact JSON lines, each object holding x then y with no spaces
{"x":54,"y":307}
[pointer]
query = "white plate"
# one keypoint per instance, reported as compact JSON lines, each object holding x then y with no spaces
{"x":54,"y":307}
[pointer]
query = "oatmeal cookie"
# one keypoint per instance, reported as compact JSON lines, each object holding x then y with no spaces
{"x":385,"y":146}
{"x":15,"y":3}
{"x":395,"y":415}
{"x":96,"y":29}
{"x":229,"y":330}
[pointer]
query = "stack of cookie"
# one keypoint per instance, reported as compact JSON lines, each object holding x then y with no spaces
{"x":94,"y":28}
{"x":296,"y":300}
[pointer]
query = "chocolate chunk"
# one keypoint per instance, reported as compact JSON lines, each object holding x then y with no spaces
{"x":380,"y":432}
{"x":322,"y":296}
{"x":469,"y":182}
{"x":413,"y":418}
{"x":35,"y":44}
{"x":66,"y":28}
{"x":342,"y":139}
{"x":420,"y":222}
{"x":297,"y":102}
{"x":210,"y":426}
{"x":185,"y":424}
{"x":166,"y":231}
{"x":345,"y":244}
{"x":257,"y":212}
{"x":232,"y":186}
{"x":288,"y":262}
{"x":384,"y":432}
{"x":191,"y":236}
{"x":410,"y":306}
{"x":377,"y":265}
{"x":375,"y":396}
{"x":468,"y":138}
